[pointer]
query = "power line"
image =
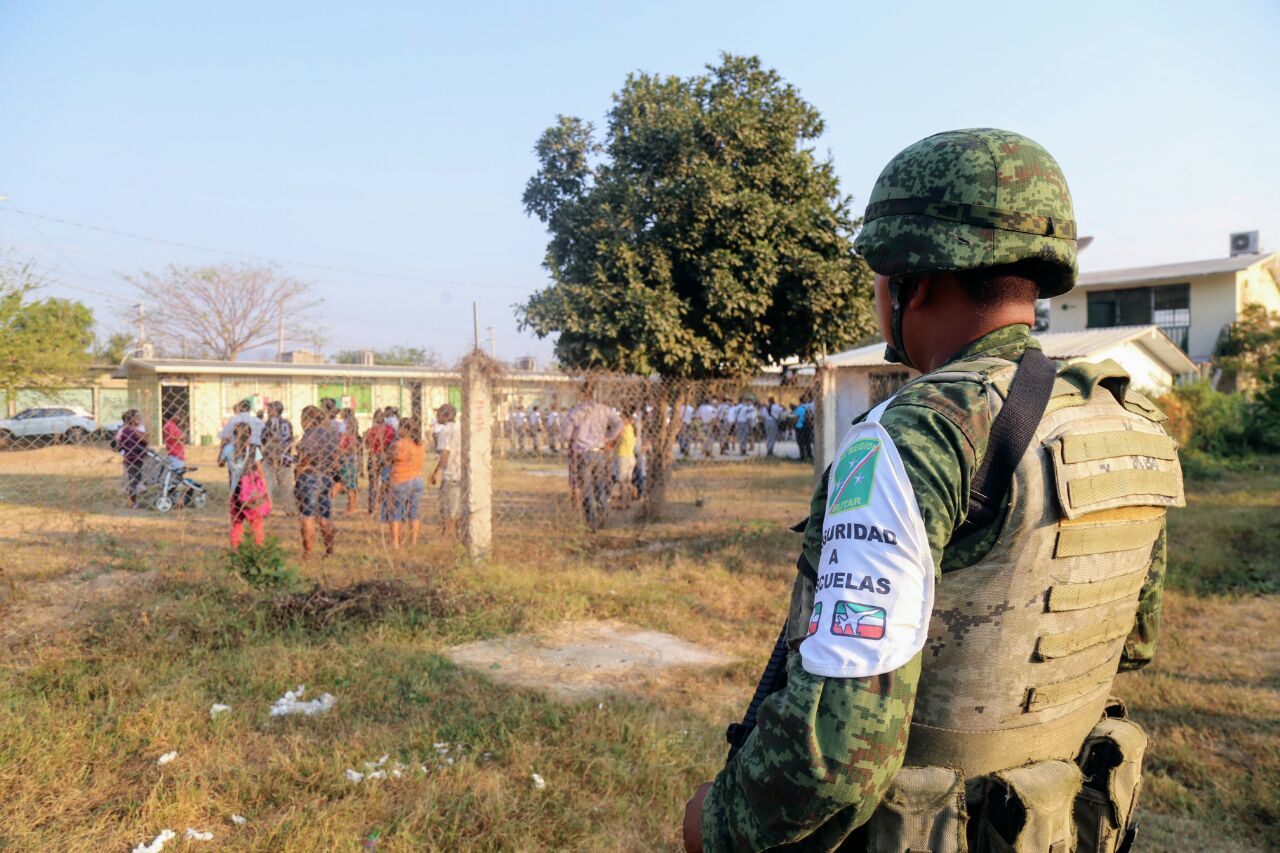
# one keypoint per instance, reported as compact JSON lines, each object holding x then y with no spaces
{"x":264,"y":258}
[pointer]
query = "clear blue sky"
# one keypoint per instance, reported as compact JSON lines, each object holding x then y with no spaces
{"x":397,"y":136}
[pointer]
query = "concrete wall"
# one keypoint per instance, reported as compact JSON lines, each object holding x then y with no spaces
{"x":1145,"y":373}
{"x":1214,"y":304}
{"x":213,"y":396}
{"x":1258,"y":285}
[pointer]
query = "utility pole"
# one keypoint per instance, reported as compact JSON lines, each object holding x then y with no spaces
{"x":492,"y":349}
{"x":142,"y":324}
{"x":475,"y":322}
{"x":280,"y":341}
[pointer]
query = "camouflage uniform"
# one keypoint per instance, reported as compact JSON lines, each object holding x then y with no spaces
{"x":825,"y":750}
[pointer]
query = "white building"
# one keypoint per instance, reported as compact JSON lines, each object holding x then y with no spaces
{"x":1191,"y":301}
{"x":852,"y":382}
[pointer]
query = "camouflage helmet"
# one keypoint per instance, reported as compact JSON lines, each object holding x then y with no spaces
{"x":966,"y":199}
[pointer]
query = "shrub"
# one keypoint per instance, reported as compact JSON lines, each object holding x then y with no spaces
{"x":261,"y":566}
{"x":1203,"y":419}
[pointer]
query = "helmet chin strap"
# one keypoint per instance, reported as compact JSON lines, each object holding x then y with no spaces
{"x":895,"y":351}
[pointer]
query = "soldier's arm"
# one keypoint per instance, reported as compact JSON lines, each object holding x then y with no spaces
{"x":825,"y":749}
{"x":1140,"y":647}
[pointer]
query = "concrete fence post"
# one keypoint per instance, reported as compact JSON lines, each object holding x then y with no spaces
{"x":826,"y":429}
{"x":477,"y":456}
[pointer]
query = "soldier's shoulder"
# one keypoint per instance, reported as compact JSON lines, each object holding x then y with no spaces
{"x":959,"y":398}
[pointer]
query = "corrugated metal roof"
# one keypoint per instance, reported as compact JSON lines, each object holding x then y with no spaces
{"x":1188,"y":269}
{"x":191,"y":366}
{"x":1086,"y":343}
{"x":868,"y":356}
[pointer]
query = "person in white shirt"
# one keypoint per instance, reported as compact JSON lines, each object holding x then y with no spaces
{"x":553,"y":429}
{"x":724,"y":424}
{"x":535,"y":429}
{"x":772,"y":417}
{"x":707,"y":414}
{"x":685,"y":437}
{"x":243,"y":415}
{"x":517,"y":421}
{"x":448,"y":470}
{"x":745,"y":422}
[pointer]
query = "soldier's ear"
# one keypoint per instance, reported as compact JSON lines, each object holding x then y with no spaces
{"x":919,"y":290}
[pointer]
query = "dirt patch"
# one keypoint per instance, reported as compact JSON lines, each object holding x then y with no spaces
{"x":579,"y":660}
{"x":52,"y":608}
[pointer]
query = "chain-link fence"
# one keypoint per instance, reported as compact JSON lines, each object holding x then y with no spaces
{"x":608,"y":449}
{"x":176,"y":455}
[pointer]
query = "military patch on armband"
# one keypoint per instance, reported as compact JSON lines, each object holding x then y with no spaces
{"x":853,"y":476}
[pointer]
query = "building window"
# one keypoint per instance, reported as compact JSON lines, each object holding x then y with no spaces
{"x":1167,"y":306}
{"x":885,"y":385}
{"x":348,"y":395}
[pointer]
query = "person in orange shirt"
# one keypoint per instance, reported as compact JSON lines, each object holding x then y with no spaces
{"x":406,"y":457}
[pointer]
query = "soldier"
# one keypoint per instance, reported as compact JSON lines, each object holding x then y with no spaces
{"x":985,"y":552}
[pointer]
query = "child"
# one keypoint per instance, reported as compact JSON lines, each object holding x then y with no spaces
{"x":249,"y":501}
{"x":349,"y":460}
{"x":132,"y":444}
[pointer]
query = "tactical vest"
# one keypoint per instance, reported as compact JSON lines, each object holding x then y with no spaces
{"x":1012,"y":710}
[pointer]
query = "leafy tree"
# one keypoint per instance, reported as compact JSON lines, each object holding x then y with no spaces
{"x":1246,"y":347}
{"x":43,"y":343}
{"x":114,"y":349}
{"x":221,"y":311}
{"x":401,"y":355}
{"x":702,"y":236}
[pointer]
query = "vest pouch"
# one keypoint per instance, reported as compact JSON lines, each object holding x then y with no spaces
{"x":1029,"y":809}
{"x":923,"y":811}
{"x":1111,"y":761}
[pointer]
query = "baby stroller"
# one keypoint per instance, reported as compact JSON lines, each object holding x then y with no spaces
{"x":163,"y":487}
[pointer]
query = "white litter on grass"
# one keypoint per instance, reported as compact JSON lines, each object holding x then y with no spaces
{"x":157,"y":844}
{"x":291,"y":703}
{"x":538,"y":782}
{"x":239,"y":820}
{"x":380,"y":769}
{"x":215,"y":709}
{"x":166,"y":758}
{"x":197,"y":835}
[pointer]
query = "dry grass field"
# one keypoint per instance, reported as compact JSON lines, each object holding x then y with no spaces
{"x":120,"y":630}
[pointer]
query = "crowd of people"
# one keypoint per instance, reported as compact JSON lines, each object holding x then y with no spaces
{"x":712,"y":428}
{"x":608,"y":449}
{"x":272,"y":468}
{"x":717,"y":427}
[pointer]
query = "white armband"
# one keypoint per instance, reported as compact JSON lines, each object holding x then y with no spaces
{"x":874,"y":592}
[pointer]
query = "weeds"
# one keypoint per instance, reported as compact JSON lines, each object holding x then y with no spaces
{"x":264,"y":566}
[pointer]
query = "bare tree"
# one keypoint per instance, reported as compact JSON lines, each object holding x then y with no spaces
{"x":222,"y":311}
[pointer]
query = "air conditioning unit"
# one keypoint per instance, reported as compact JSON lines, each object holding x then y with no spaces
{"x":1244,"y":243}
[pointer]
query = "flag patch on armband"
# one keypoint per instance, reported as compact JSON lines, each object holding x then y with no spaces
{"x":852,"y":619}
{"x":815,"y":618}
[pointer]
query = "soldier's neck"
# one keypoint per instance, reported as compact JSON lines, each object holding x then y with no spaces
{"x":938,"y":350}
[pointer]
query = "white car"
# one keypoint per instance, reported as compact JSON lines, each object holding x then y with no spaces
{"x":53,"y":423}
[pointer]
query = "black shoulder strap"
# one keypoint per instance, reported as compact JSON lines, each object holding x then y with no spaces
{"x":1011,"y":433}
